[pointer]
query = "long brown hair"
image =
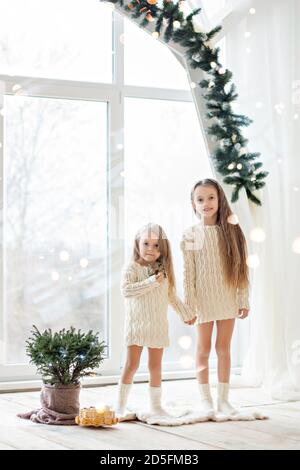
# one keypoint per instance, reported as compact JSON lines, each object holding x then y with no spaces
{"x":164,"y":247}
{"x":232,"y":239}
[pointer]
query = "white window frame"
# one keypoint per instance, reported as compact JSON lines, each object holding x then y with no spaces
{"x":22,"y":376}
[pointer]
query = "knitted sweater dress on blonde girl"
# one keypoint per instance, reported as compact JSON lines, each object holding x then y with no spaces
{"x":146,"y":307}
{"x":205,"y":287}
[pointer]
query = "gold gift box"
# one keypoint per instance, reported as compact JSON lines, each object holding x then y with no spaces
{"x":96,"y":417}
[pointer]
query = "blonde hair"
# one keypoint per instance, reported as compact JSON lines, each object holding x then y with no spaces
{"x":164,"y":247}
{"x":232,"y":239}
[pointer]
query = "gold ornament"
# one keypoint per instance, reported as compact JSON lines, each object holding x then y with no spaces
{"x":152,"y":2}
{"x":104,"y":416}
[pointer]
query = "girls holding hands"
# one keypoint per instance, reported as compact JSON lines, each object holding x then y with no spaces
{"x":148,"y":285}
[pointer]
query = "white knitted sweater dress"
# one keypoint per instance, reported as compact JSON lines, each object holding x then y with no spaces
{"x":146,"y":307}
{"x":205,"y":288}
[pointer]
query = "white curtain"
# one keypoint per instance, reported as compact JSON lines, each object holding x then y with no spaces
{"x":263,"y":54}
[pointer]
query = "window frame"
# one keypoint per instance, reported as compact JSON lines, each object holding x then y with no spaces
{"x":11,"y":376}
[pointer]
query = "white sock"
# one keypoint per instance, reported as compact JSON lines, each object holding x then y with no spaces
{"x":223,"y":404}
{"x":206,"y":402}
{"x":155,"y":401}
{"x":123,"y":392}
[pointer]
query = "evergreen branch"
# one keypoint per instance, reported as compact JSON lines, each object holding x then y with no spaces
{"x":232,"y":159}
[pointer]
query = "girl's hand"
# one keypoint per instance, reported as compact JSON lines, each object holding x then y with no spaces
{"x":243,"y":313}
{"x":160,"y":277}
{"x":191,"y":322}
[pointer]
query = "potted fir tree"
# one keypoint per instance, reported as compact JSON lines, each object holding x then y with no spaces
{"x":62,"y":358}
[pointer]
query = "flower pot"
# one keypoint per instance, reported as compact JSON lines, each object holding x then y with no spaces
{"x":60,"y":405}
{"x":61,"y":399}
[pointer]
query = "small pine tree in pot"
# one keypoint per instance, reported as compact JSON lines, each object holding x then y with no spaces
{"x":62,"y":358}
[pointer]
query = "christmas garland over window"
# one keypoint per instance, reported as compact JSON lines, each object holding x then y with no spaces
{"x":231,"y":158}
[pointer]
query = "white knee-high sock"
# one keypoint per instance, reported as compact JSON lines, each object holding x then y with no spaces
{"x":206,"y":402}
{"x":155,"y":401}
{"x":123,"y":392}
{"x":223,"y":404}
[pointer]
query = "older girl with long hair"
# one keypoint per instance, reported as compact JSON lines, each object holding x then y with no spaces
{"x":216,"y":284}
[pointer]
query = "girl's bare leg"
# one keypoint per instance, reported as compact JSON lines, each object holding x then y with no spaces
{"x":132,"y":363}
{"x":154,"y":364}
{"x":202,"y":371}
{"x":223,"y":343}
{"x":204,"y":331}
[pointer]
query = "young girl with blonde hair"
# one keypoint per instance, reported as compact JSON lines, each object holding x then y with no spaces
{"x":148,"y":285}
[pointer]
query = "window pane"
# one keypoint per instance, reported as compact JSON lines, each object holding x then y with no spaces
{"x":148,"y":62}
{"x":212,"y":8}
{"x":55,"y":217}
{"x":70,"y":39}
{"x":164,"y":157}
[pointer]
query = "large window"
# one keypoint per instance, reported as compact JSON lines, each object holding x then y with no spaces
{"x":211,"y":8}
{"x":98,"y":136}
{"x":160,"y":168}
{"x":69,"y":39}
{"x":149,"y":62}
{"x":54,"y":217}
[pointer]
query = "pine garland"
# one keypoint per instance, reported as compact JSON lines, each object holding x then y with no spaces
{"x":232,"y":160}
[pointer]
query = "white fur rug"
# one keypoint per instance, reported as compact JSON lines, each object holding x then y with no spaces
{"x":178,"y":416}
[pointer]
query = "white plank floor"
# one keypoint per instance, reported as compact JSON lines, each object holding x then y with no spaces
{"x":280,"y":431}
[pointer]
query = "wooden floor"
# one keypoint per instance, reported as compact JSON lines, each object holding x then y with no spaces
{"x":280,"y":431}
